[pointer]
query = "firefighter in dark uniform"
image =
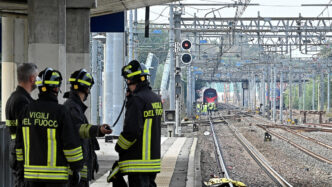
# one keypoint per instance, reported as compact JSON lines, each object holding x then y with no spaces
{"x":81,"y":82}
{"x":26,"y":77}
{"x":47,"y":142}
{"x":139,"y":142}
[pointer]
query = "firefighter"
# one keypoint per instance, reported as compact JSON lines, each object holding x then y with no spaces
{"x":47,"y":142}
{"x":26,"y":77}
{"x":81,"y":82}
{"x":139,"y":142}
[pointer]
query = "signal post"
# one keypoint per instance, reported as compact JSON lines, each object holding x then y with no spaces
{"x":177,"y":76}
{"x":183,"y":55}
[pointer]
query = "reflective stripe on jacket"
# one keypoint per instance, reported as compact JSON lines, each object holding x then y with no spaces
{"x":48,"y":141}
{"x":139,"y":142}
{"x":87,"y":132}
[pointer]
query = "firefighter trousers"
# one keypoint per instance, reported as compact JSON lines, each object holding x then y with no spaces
{"x":142,"y":180}
{"x":18,"y":177}
{"x":44,"y":184}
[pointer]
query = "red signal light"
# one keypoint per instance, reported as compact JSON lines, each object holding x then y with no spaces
{"x":186,"y":44}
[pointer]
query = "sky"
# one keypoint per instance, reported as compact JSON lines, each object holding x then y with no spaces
{"x":267,"y":8}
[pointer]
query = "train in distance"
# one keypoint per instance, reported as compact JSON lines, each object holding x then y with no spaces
{"x":210,"y":96}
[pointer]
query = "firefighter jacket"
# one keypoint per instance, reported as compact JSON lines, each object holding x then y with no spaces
{"x":14,"y":106}
{"x":47,"y":141}
{"x":87,"y":132}
{"x":139,"y":142}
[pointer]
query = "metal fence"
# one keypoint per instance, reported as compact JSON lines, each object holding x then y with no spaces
{"x":5,"y":171}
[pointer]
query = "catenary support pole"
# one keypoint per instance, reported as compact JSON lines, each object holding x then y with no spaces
{"x":271,"y":91}
{"x":321,"y":92}
{"x":281,"y":108}
{"x":94,"y":89}
{"x":100,"y":61}
{"x":255,"y":93}
{"x":172,"y":59}
{"x":178,"y":97}
{"x":274,"y":93}
{"x":300,"y":93}
{"x":263,"y":94}
{"x":135,"y":35}
{"x":131,"y":37}
{"x":313,"y":92}
{"x":290,"y":97}
{"x":193,"y":92}
{"x":188,"y":100}
{"x":268,"y":93}
{"x":304,"y":94}
{"x":328,"y":91}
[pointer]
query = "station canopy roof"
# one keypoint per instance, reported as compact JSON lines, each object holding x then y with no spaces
{"x":113,"y":6}
{"x":103,"y":6}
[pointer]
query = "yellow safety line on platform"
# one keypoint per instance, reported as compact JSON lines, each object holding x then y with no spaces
{"x":168,"y":163}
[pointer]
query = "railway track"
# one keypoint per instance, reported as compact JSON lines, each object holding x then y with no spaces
{"x":220,"y":158}
{"x":309,"y":138}
{"x":306,"y":151}
{"x":258,"y":157}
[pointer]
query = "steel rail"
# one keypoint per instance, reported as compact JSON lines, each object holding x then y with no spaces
{"x":306,"y":129}
{"x":219,"y":153}
{"x":275,"y":125}
{"x":309,"y":138}
{"x":259,"y":158}
{"x":321,"y":124}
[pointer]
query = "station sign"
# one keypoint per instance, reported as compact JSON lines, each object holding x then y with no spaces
{"x":108,"y":23}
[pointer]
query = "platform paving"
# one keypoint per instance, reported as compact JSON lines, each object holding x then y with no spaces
{"x":177,"y":165}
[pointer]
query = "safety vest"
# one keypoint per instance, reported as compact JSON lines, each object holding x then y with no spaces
{"x":210,"y":106}
{"x":205,"y":108}
{"x":198,"y":107}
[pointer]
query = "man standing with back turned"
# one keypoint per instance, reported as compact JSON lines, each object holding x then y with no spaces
{"x":26,"y":77}
{"x":139,"y":142}
{"x":81,"y":82}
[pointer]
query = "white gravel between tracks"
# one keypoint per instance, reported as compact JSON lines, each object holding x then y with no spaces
{"x":296,"y":167}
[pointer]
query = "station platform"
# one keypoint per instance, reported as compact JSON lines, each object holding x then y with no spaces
{"x":180,"y":165}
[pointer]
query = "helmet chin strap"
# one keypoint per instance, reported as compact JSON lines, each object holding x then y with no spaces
{"x":86,"y":94}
